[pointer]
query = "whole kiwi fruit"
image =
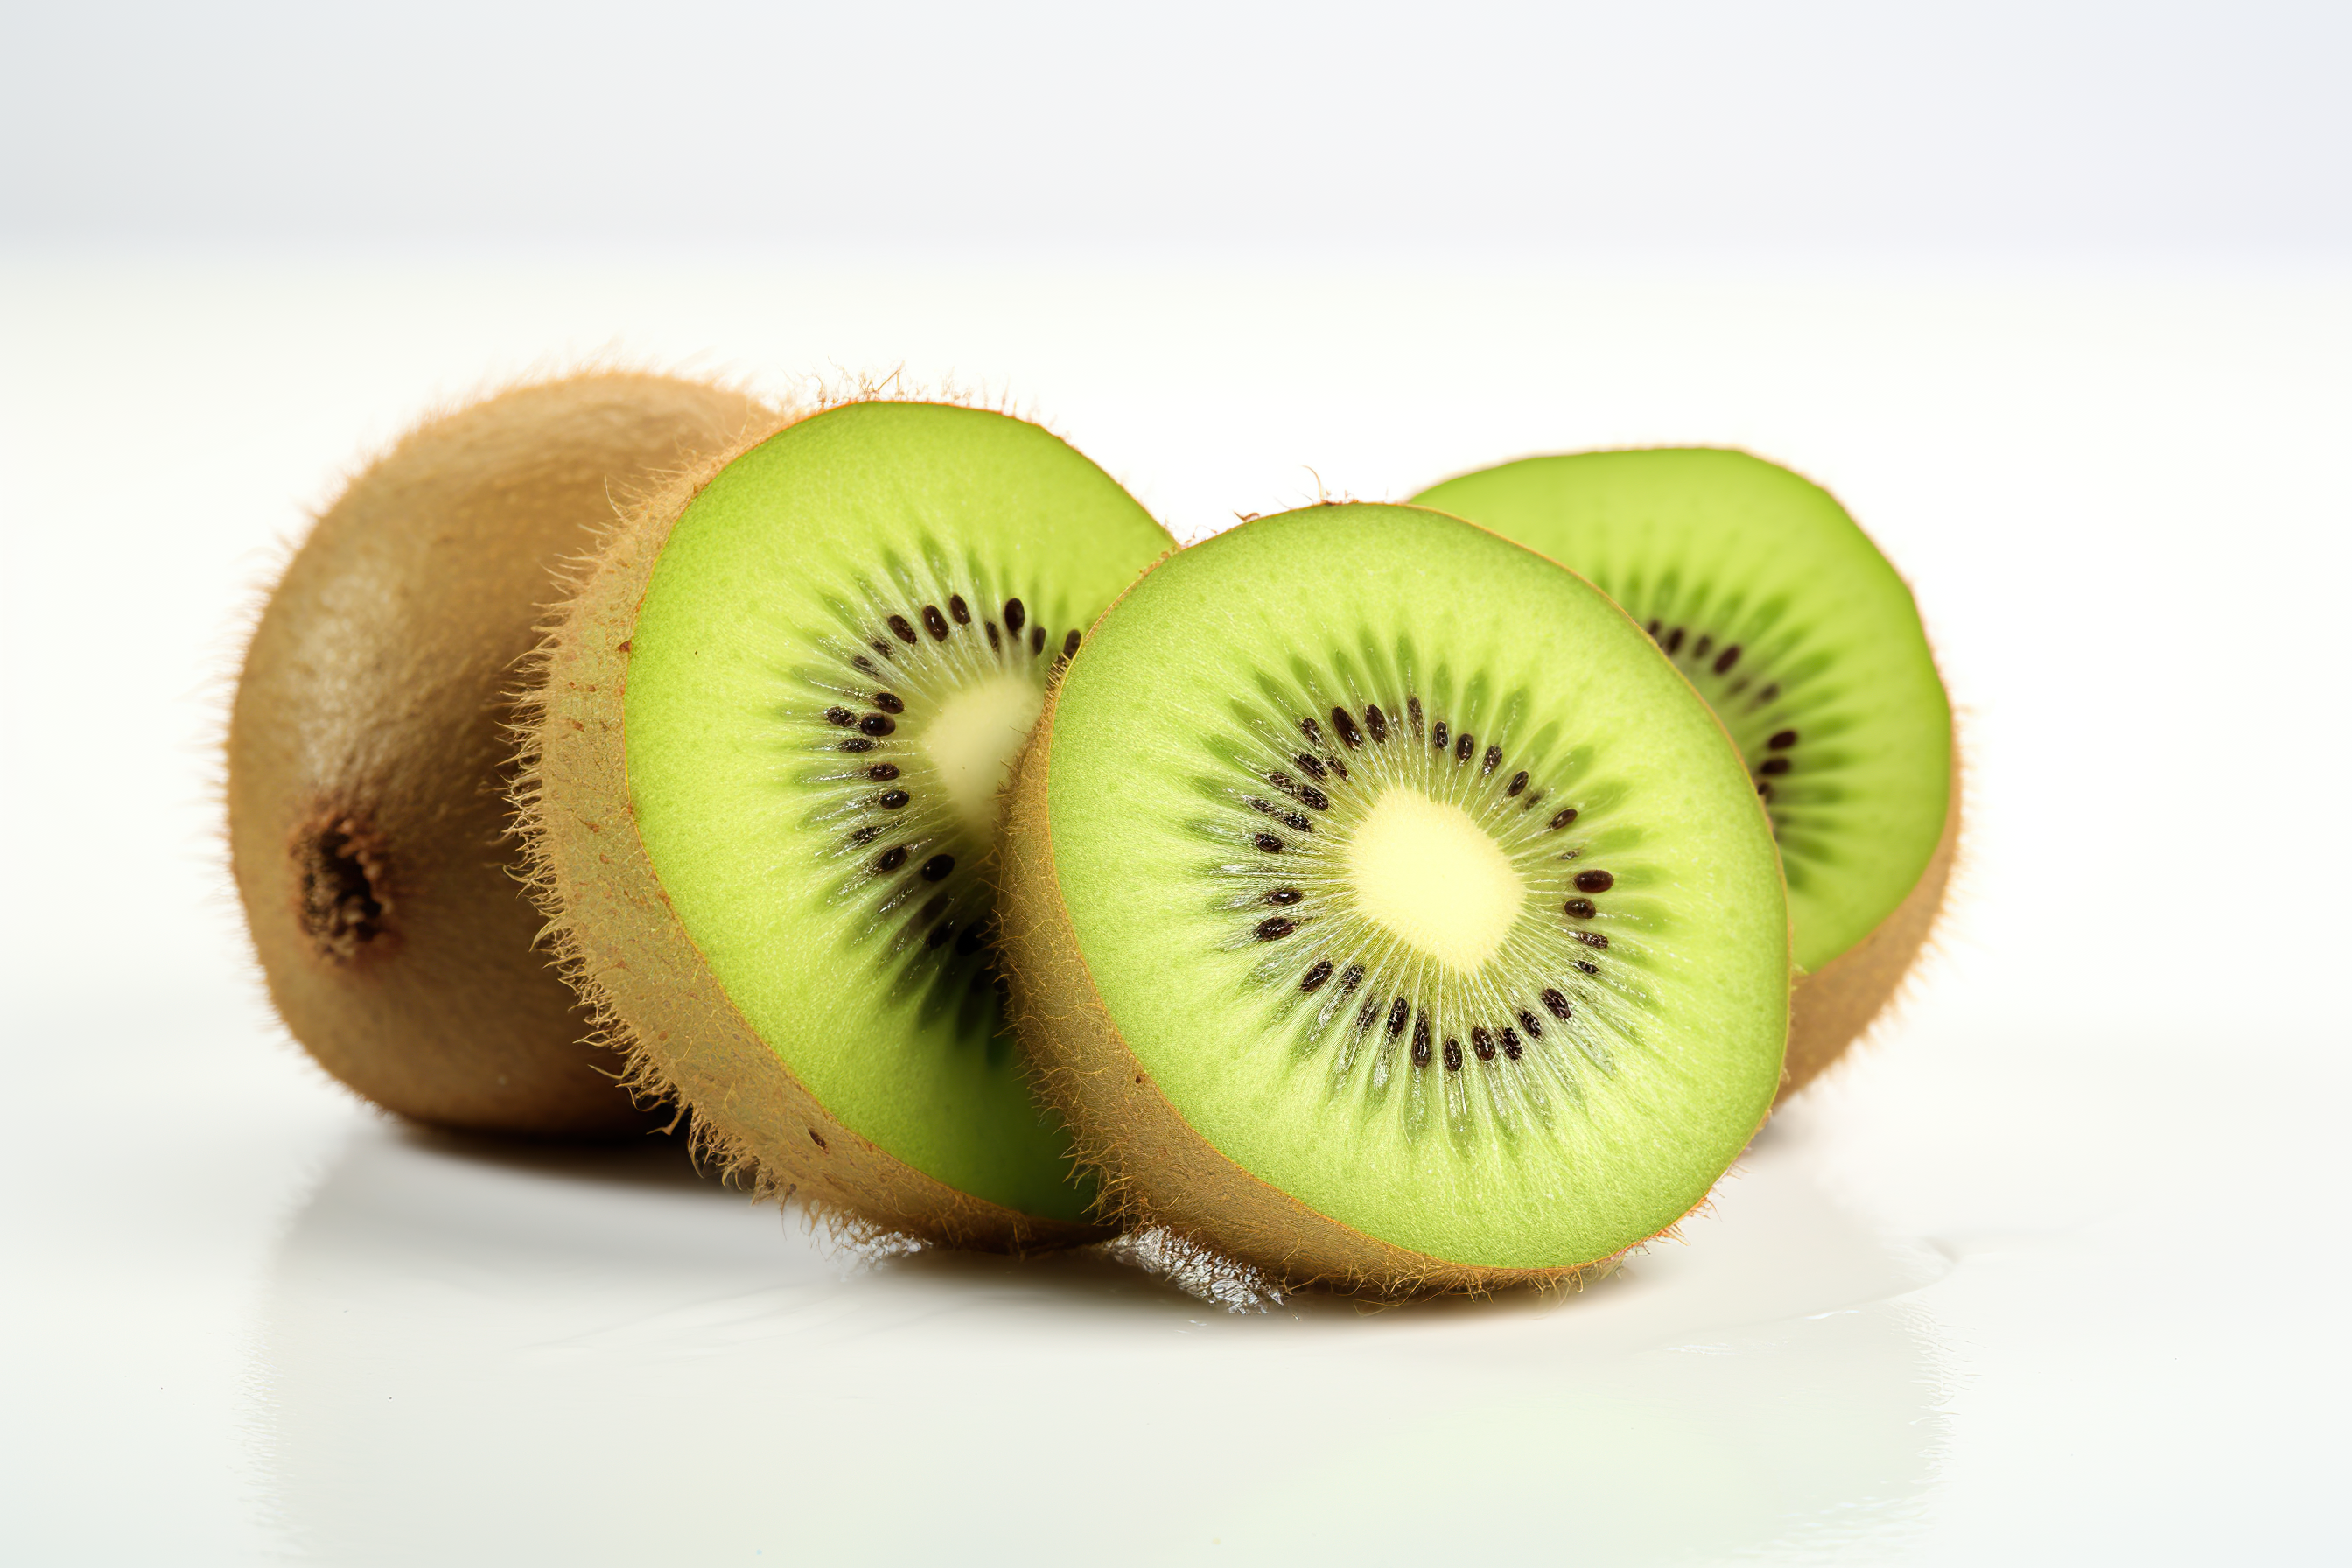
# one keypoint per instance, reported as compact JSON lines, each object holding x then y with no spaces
{"x":369,"y":752}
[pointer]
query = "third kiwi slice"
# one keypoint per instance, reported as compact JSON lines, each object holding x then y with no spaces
{"x":762,"y":785}
{"x":1383,"y":909}
{"x":1788,"y":619}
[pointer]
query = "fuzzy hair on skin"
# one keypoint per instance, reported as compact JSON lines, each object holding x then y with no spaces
{"x":616,"y":937}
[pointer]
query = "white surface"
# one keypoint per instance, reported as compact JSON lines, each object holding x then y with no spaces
{"x":2055,"y":1273}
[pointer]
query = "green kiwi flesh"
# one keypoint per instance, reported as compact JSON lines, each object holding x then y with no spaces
{"x":774,"y":728}
{"x":1384,"y":909}
{"x":367,"y":747}
{"x":1790,"y":623}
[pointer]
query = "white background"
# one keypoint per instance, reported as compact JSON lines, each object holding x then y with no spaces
{"x":2059,"y":299}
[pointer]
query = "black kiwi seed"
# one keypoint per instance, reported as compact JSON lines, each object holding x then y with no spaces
{"x":877,"y":723}
{"x":1562,"y":818}
{"x":1421,"y":1037}
{"x":883,"y":773}
{"x":866,"y":835}
{"x":969,"y":942}
{"x":890,"y":859}
{"x":958,"y":609}
{"x":892,"y":799}
{"x":1352,"y":977}
{"x":1763,"y":789}
{"x":1376,"y":722}
{"x":995,"y":637}
{"x":1705,"y":646}
{"x":1283,"y":898}
{"x":1273,"y":928}
{"x":1314,"y":978}
{"x":1580,"y":908}
{"x":1037,"y":639}
{"x":1782,"y":740}
{"x":939,"y":933}
{"x":1494,"y":760}
{"x":1769,"y":694}
{"x":901,"y":629}
{"x":1452,"y":1056}
{"x":1775,"y":766}
{"x":1463,"y":747}
{"x":1587,"y":965}
{"x":1518,"y":781}
{"x":1070,"y":644}
{"x":1555,"y":1002}
{"x":933,"y":908}
{"x":1421,"y":1053}
{"x":1653,"y":625}
{"x":1313,"y":731}
{"x":1412,"y":712}
{"x":1726,"y":659}
{"x":878,"y":646}
{"x":1399,"y":1010}
{"x":890,"y":702}
{"x":1530,"y":1023}
{"x":859,"y":661}
{"x":938,"y":866}
{"x":1593,"y":939}
{"x":1511,"y":1047}
{"x":1309,"y":796}
{"x":1437,"y":736}
{"x":1269,"y":843}
{"x":858,"y":744}
{"x":1482,"y":1040}
{"x":1016,"y":615}
{"x":1311,"y":764}
{"x":841,"y":716}
{"x":1594,"y":881}
{"x":1674,"y":640}
{"x":1366,"y":1014}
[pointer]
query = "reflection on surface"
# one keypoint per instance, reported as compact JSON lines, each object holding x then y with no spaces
{"x":482,"y":1357}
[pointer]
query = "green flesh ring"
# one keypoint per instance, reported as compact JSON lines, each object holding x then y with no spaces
{"x":1256,"y":838}
{"x":845,"y":641}
{"x":1791,"y":623}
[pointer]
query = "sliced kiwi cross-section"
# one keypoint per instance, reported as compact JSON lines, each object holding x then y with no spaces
{"x":1784,"y":614}
{"x":366,"y":751}
{"x":764,"y":779}
{"x":1383,"y":910}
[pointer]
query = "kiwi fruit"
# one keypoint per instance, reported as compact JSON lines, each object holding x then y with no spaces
{"x":1383,"y":911}
{"x":1792,"y":624}
{"x":760,"y":798}
{"x":369,"y":752}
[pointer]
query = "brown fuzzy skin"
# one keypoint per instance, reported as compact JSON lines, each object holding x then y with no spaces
{"x":367,"y":750}
{"x":1155,"y":1169}
{"x":1835,"y":1005}
{"x":653,"y":994}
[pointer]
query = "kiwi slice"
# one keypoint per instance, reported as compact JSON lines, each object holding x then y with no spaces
{"x":1784,"y":614}
{"x":368,"y":744}
{"x":1385,"y":911}
{"x":764,"y":790}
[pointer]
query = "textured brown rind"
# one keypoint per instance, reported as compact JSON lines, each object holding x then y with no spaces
{"x":653,"y":994}
{"x":1835,"y":1005}
{"x":1154,"y":1168}
{"x":367,"y":748}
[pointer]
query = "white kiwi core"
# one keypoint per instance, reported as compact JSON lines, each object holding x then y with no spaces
{"x":973,"y":740}
{"x":1428,"y":872}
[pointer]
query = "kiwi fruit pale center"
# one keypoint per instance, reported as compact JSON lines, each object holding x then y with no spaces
{"x":1425,"y":870}
{"x":972,"y":741}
